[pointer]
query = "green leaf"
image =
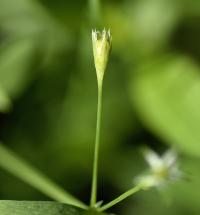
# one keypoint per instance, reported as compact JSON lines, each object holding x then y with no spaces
{"x":31,"y":20}
{"x":21,"y":169}
{"x":31,"y":38}
{"x":15,"y":61}
{"x":41,"y":208}
{"x":37,"y":208}
{"x":5,"y":103}
{"x":167,"y":98}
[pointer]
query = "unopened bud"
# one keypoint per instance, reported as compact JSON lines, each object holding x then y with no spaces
{"x":101,"y":42}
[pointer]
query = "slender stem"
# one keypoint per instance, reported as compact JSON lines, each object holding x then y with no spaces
{"x":121,"y":198}
{"x":94,"y":7}
{"x":96,"y":149}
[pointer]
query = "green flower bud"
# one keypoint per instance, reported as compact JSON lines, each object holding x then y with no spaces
{"x":101,"y":49}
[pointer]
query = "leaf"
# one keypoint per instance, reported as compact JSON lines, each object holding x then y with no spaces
{"x":21,"y":169}
{"x":41,"y":208}
{"x":167,"y":98}
{"x":31,"y":38}
{"x":5,"y":103}
{"x":15,"y":61}
{"x":37,"y":208}
{"x":31,"y":20}
{"x":190,"y":166}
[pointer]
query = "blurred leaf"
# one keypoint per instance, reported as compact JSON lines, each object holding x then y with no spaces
{"x":147,"y":14}
{"x":15,"y":61}
{"x":167,"y":97}
{"x":37,"y":208}
{"x":153,"y":22}
{"x":5,"y":103}
{"x":18,"y":167}
{"x":31,"y":38}
{"x":185,"y":193}
{"x":190,"y":8}
{"x":30,"y":20}
{"x":41,"y":208}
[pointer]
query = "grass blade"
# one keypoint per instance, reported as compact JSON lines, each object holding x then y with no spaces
{"x":21,"y":169}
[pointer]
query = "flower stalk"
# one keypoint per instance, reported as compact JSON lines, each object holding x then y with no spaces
{"x":96,"y":150}
{"x":121,"y":198}
{"x":101,"y":49}
{"x":94,"y":8}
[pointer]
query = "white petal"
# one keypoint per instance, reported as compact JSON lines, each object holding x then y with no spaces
{"x":170,"y":158}
{"x":153,"y":159}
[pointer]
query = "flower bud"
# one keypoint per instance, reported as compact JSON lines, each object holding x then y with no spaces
{"x":101,"y":42}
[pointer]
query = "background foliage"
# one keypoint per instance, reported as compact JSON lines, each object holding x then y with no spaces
{"x":151,"y":96}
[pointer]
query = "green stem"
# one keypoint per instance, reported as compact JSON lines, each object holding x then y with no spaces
{"x":121,"y":198}
{"x":94,"y":7}
{"x":96,"y":150}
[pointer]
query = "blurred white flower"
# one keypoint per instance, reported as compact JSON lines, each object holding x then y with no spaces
{"x":163,"y":169}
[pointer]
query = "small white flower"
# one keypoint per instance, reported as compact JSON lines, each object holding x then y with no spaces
{"x":101,"y":42}
{"x":163,"y":169}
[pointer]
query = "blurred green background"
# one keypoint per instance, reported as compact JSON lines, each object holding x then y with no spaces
{"x":48,"y":96}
